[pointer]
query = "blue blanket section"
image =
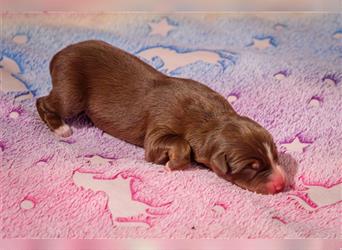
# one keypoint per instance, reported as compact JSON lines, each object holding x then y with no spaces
{"x":308,"y":43}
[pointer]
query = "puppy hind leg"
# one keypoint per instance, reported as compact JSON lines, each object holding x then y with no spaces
{"x":51,"y":118}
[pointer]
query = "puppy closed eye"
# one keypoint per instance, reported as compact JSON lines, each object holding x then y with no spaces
{"x":249,"y":173}
{"x":251,"y":170}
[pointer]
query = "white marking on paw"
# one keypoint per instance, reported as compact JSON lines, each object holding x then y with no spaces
{"x":107,"y":135}
{"x":232,"y":98}
{"x":167,"y":168}
{"x":63,"y":131}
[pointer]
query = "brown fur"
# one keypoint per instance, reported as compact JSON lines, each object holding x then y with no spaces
{"x":176,"y":120}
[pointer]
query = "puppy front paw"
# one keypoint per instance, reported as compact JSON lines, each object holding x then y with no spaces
{"x":167,"y":167}
{"x":63,"y":131}
{"x":170,"y":166}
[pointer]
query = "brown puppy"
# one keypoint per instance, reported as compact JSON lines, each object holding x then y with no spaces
{"x":176,"y":120}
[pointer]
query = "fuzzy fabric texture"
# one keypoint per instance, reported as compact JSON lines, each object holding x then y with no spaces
{"x":282,"y":70}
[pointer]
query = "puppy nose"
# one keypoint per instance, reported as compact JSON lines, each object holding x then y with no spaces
{"x":274,"y":188}
{"x":279,"y":186}
{"x":276,"y":184}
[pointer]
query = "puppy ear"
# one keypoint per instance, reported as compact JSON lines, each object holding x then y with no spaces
{"x":219,"y":164}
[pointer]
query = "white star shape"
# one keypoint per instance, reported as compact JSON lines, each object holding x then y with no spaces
{"x":261,"y":43}
{"x":161,"y":28}
{"x":296,"y":145}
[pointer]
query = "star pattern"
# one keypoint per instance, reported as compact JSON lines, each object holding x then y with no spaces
{"x":20,"y":39}
{"x":262,"y":43}
{"x":296,"y":145}
{"x":161,"y":28}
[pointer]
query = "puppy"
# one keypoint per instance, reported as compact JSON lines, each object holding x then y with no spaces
{"x":176,"y":120}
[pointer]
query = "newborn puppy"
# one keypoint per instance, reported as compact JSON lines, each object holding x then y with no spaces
{"x":176,"y":120}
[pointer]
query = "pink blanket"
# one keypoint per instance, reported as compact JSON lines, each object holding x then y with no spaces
{"x":283,"y":72}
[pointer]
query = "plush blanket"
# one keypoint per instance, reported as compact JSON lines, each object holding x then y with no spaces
{"x":282,"y":70}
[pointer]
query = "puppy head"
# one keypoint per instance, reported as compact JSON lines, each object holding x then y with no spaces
{"x":245,"y":154}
